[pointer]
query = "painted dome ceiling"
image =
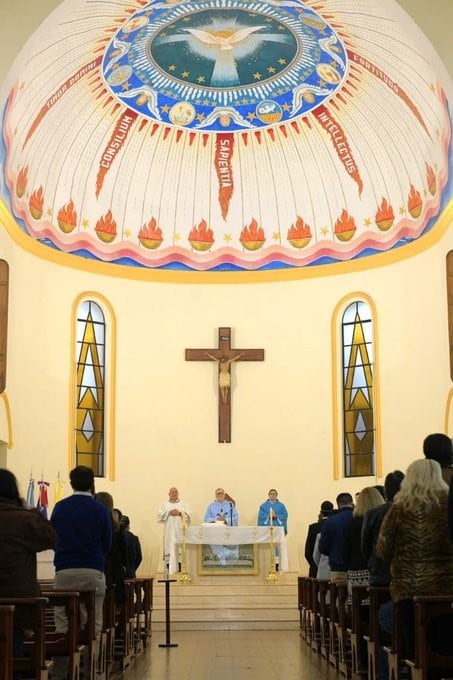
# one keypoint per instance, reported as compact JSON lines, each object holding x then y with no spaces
{"x":225,"y":135}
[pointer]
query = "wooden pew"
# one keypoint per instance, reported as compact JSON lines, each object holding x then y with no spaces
{"x":6,"y":641}
{"x":125,"y":627}
{"x":87,"y":634}
{"x":136,"y":604}
{"x":64,"y":644}
{"x":395,"y":652}
{"x":147,"y":608}
{"x":324,"y":594}
{"x":106,"y":661}
{"x":427,"y":660}
{"x":359,"y":628}
{"x":304,"y":599}
{"x":342,"y":630}
{"x":315,"y":618}
{"x":300,"y":603}
{"x":34,"y":664}
{"x":375,"y":637}
{"x":333,"y":624}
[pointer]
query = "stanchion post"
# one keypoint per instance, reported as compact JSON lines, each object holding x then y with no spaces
{"x":167,"y":582}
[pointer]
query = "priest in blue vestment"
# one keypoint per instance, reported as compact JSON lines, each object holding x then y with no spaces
{"x":221,"y":510}
{"x":272,"y":511}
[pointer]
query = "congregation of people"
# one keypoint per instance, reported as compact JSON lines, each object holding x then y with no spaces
{"x":93,"y":549}
{"x":399,"y":535}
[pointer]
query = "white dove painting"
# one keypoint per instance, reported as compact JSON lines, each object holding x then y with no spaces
{"x":226,"y":42}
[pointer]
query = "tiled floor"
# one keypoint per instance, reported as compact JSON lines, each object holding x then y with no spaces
{"x":229,"y":655}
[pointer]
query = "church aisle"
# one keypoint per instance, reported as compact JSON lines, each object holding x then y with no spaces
{"x":229,"y":655}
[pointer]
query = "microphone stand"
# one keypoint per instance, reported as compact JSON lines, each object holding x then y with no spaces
{"x":231,"y":514}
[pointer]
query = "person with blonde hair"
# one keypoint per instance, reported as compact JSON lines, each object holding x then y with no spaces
{"x":356,"y":562}
{"x":414,"y":539}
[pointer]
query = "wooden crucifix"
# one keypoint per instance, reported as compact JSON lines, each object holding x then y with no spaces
{"x":224,"y":355}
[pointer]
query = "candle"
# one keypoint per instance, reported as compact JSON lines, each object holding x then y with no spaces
{"x":270,"y":516}
{"x":183,"y":519}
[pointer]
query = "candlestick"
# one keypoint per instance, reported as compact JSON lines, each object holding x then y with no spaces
{"x":270,"y":516}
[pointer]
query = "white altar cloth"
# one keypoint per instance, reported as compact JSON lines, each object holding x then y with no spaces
{"x":219,"y":534}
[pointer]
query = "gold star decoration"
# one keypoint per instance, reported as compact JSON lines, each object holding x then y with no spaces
{"x":271,"y":69}
{"x":286,"y":107}
{"x":201,"y":79}
{"x":49,"y":212}
{"x":227,"y":238}
{"x":165,"y":108}
{"x":127,"y":233}
{"x":201,"y":117}
{"x":251,"y":116}
{"x":176,"y":237}
{"x":402,"y":210}
{"x":172,"y":67}
{"x":276,"y":236}
{"x":282,"y":61}
{"x":185,"y":74}
{"x":257,"y":75}
{"x":324,"y":231}
{"x":85,"y":223}
{"x":125,"y":86}
{"x":367,"y":222}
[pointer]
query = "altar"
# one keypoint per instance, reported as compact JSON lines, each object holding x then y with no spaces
{"x":228,"y":539}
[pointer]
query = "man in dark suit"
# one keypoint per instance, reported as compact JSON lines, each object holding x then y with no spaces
{"x":313,"y":531}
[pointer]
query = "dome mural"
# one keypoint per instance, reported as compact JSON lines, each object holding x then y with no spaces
{"x":225,"y":135}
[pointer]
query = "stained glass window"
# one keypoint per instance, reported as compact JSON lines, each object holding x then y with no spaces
{"x":90,"y":387}
{"x":358,"y":410}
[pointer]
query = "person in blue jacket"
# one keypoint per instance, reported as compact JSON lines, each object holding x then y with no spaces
{"x":273,"y":510}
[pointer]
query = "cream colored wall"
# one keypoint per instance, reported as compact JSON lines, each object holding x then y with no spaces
{"x":166,"y":411}
{"x":166,"y":408}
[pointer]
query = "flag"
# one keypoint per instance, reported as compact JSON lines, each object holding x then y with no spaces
{"x":31,"y":493}
{"x":43,"y":501}
{"x":58,"y":489}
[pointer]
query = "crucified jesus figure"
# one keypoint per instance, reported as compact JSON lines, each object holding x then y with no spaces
{"x":224,"y":372}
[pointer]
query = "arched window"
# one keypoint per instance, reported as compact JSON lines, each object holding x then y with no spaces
{"x":90,"y":387}
{"x":358,"y":391}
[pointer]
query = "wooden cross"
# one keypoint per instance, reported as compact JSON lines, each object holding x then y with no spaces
{"x":224,"y":355}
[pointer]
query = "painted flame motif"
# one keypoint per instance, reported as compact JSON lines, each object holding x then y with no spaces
{"x":345,"y":226}
{"x":150,"y":235}
{"x":252,"y":232}
{"x":106,"y":228}
{"x":299,"y":234}
{"x":414,"y":202}
{"x":36,"y":203}
{"x":151,"y":231}
{"x":67,"y":217}
{"x":21,"y":183}
{"x":202,"y":233}
{"x":385,"y":216}
{"x":431,"y":179}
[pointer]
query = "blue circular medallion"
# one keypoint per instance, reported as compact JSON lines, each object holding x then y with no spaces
{"x":222,"y":65}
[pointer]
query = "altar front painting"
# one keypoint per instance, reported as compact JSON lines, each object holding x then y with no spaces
{"x":227,"y":559}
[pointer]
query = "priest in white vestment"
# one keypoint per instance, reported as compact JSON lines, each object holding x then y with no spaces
{"x":171,"y":514}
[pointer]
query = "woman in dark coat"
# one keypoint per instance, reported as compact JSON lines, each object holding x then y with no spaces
{"x":23,"y":533}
